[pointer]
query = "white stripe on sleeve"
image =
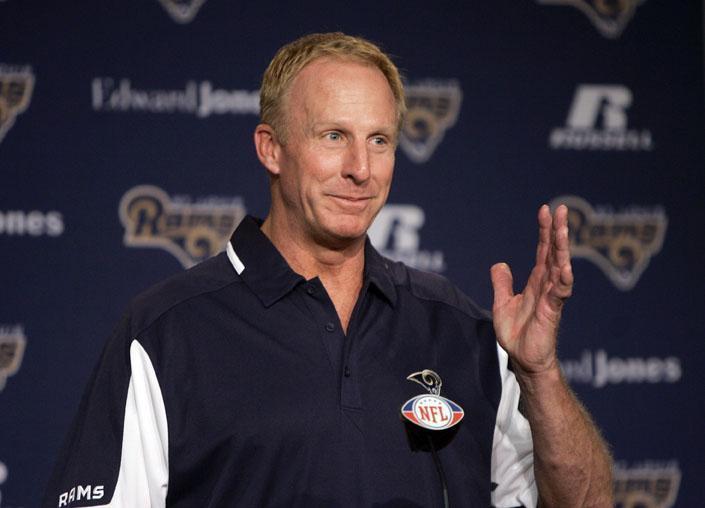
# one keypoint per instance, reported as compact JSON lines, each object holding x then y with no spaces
{"x":512,"y":447}
{"x":144,"y":463}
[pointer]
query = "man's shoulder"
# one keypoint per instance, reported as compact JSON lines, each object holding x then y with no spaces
{"x":434,"y":287}
{"x":206,"y":277}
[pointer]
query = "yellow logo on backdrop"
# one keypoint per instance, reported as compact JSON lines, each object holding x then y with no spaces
{"x":610,"y":17}
{"x":648,"y":485}
{"x":432,"y":108}
{"x":12,"y":346}
{"x":621,"y":243}
{"x":16,"y":86}
{"x":191,"y":231}
{"x":182,"y":11}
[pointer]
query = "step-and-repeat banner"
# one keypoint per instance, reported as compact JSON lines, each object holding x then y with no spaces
{"x":126,"y":155}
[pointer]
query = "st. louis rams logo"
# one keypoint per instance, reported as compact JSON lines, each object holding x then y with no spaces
{"x":621,"y":244}
{"x":12,"y":346}
{"x":432,"y":108}
{"x":648,"y":485}
{"x":16,"y":86}
{"x":610,"y":17}
{"x":182,"y":11}
{"x":192,"y":232}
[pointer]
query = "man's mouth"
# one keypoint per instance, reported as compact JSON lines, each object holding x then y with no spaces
{"x":351,"y":202}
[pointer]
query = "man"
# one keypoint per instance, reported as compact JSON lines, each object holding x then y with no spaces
{"x":274,"y":374}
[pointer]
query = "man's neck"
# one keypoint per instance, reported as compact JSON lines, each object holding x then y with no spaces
{"x":340,"y":268}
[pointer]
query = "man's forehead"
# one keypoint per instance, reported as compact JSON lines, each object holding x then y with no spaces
{"x":328,"y":73}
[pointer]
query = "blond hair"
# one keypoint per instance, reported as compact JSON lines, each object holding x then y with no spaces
{"x":293,"y":57}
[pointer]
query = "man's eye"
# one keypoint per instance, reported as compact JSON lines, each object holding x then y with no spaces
{"x":334,"y":136}
{"x":379,"y":140}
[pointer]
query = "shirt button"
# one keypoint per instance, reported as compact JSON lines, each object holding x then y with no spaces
{"x":310,"y":290}
{"x":330,"y":327}
{"x":347,"y":371}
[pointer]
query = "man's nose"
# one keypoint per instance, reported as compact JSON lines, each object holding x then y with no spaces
{"x":357,"y":162}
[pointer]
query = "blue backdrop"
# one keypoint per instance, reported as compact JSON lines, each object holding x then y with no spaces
{"x":126,"y":155}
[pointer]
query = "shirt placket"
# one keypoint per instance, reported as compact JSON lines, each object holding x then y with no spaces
{"x":340,"y":348}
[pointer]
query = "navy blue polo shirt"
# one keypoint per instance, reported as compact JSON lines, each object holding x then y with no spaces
{"x":233,"y":384}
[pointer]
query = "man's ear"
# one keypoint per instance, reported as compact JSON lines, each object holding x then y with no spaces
{"x":268,"y":147}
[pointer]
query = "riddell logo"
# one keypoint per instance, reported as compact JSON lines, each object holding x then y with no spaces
{"x":597,"y":120}
{"x":395,"y":233}
{"x":191,"y":231}
{"x":182,"y":11}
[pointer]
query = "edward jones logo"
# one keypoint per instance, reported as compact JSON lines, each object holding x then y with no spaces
{"x":649,"y":484}
{"x":609,"y":17}
{"x":12,"y":346}
{"x":32,"y":223}
{"x":620,"y":243}
{"x":597,"y":120}
{"x":199,"y":99}
{"x":16,"y":86}
{"x":190,"y":231}
{"x":182,"y":11}
{"x":598,"y":369}
{"x":395,"y":233}
{"x":432,"y":109}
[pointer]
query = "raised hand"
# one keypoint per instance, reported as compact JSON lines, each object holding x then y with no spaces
{"x":526,"y":324}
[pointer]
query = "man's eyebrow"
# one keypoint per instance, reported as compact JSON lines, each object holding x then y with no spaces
{"x":338,"y":125}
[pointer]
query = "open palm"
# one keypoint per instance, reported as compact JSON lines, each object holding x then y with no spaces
{"x":526,"y":324}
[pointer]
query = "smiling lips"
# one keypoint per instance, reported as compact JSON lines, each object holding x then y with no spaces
{"x":352,"y":202}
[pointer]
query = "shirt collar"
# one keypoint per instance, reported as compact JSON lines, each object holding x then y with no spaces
{"x":268,"y":275}
{"x":259,"y":263}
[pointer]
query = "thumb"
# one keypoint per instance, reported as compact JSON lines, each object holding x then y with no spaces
{"x":502,"y":280}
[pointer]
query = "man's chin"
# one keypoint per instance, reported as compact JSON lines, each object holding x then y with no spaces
{"x":344,"y":233}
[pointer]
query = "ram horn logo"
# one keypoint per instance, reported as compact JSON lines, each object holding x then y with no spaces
{"x":609,"y":17}
{"x":182,"y":11}
{"x":16,"y":86}
{"x":432,"y":108}
{"x":12,"y":346}
{"x":621,"y":244}
{"x":192,"y":232}
{"x":648,"y":485}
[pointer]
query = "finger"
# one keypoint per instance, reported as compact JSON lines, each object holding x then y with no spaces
{"x":544,"y":245}
{"x":561,"y":238}
{"x":566,"y":281}
{"x":501,"y":276}
{"x":558,"y":292}
{"x":560,"y":284}
{"x":561,"y":271}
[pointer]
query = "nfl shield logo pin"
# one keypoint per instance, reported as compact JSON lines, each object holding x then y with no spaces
{"x":431,"y":411}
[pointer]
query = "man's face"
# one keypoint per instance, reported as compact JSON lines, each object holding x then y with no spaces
{"x":336,"y":167}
